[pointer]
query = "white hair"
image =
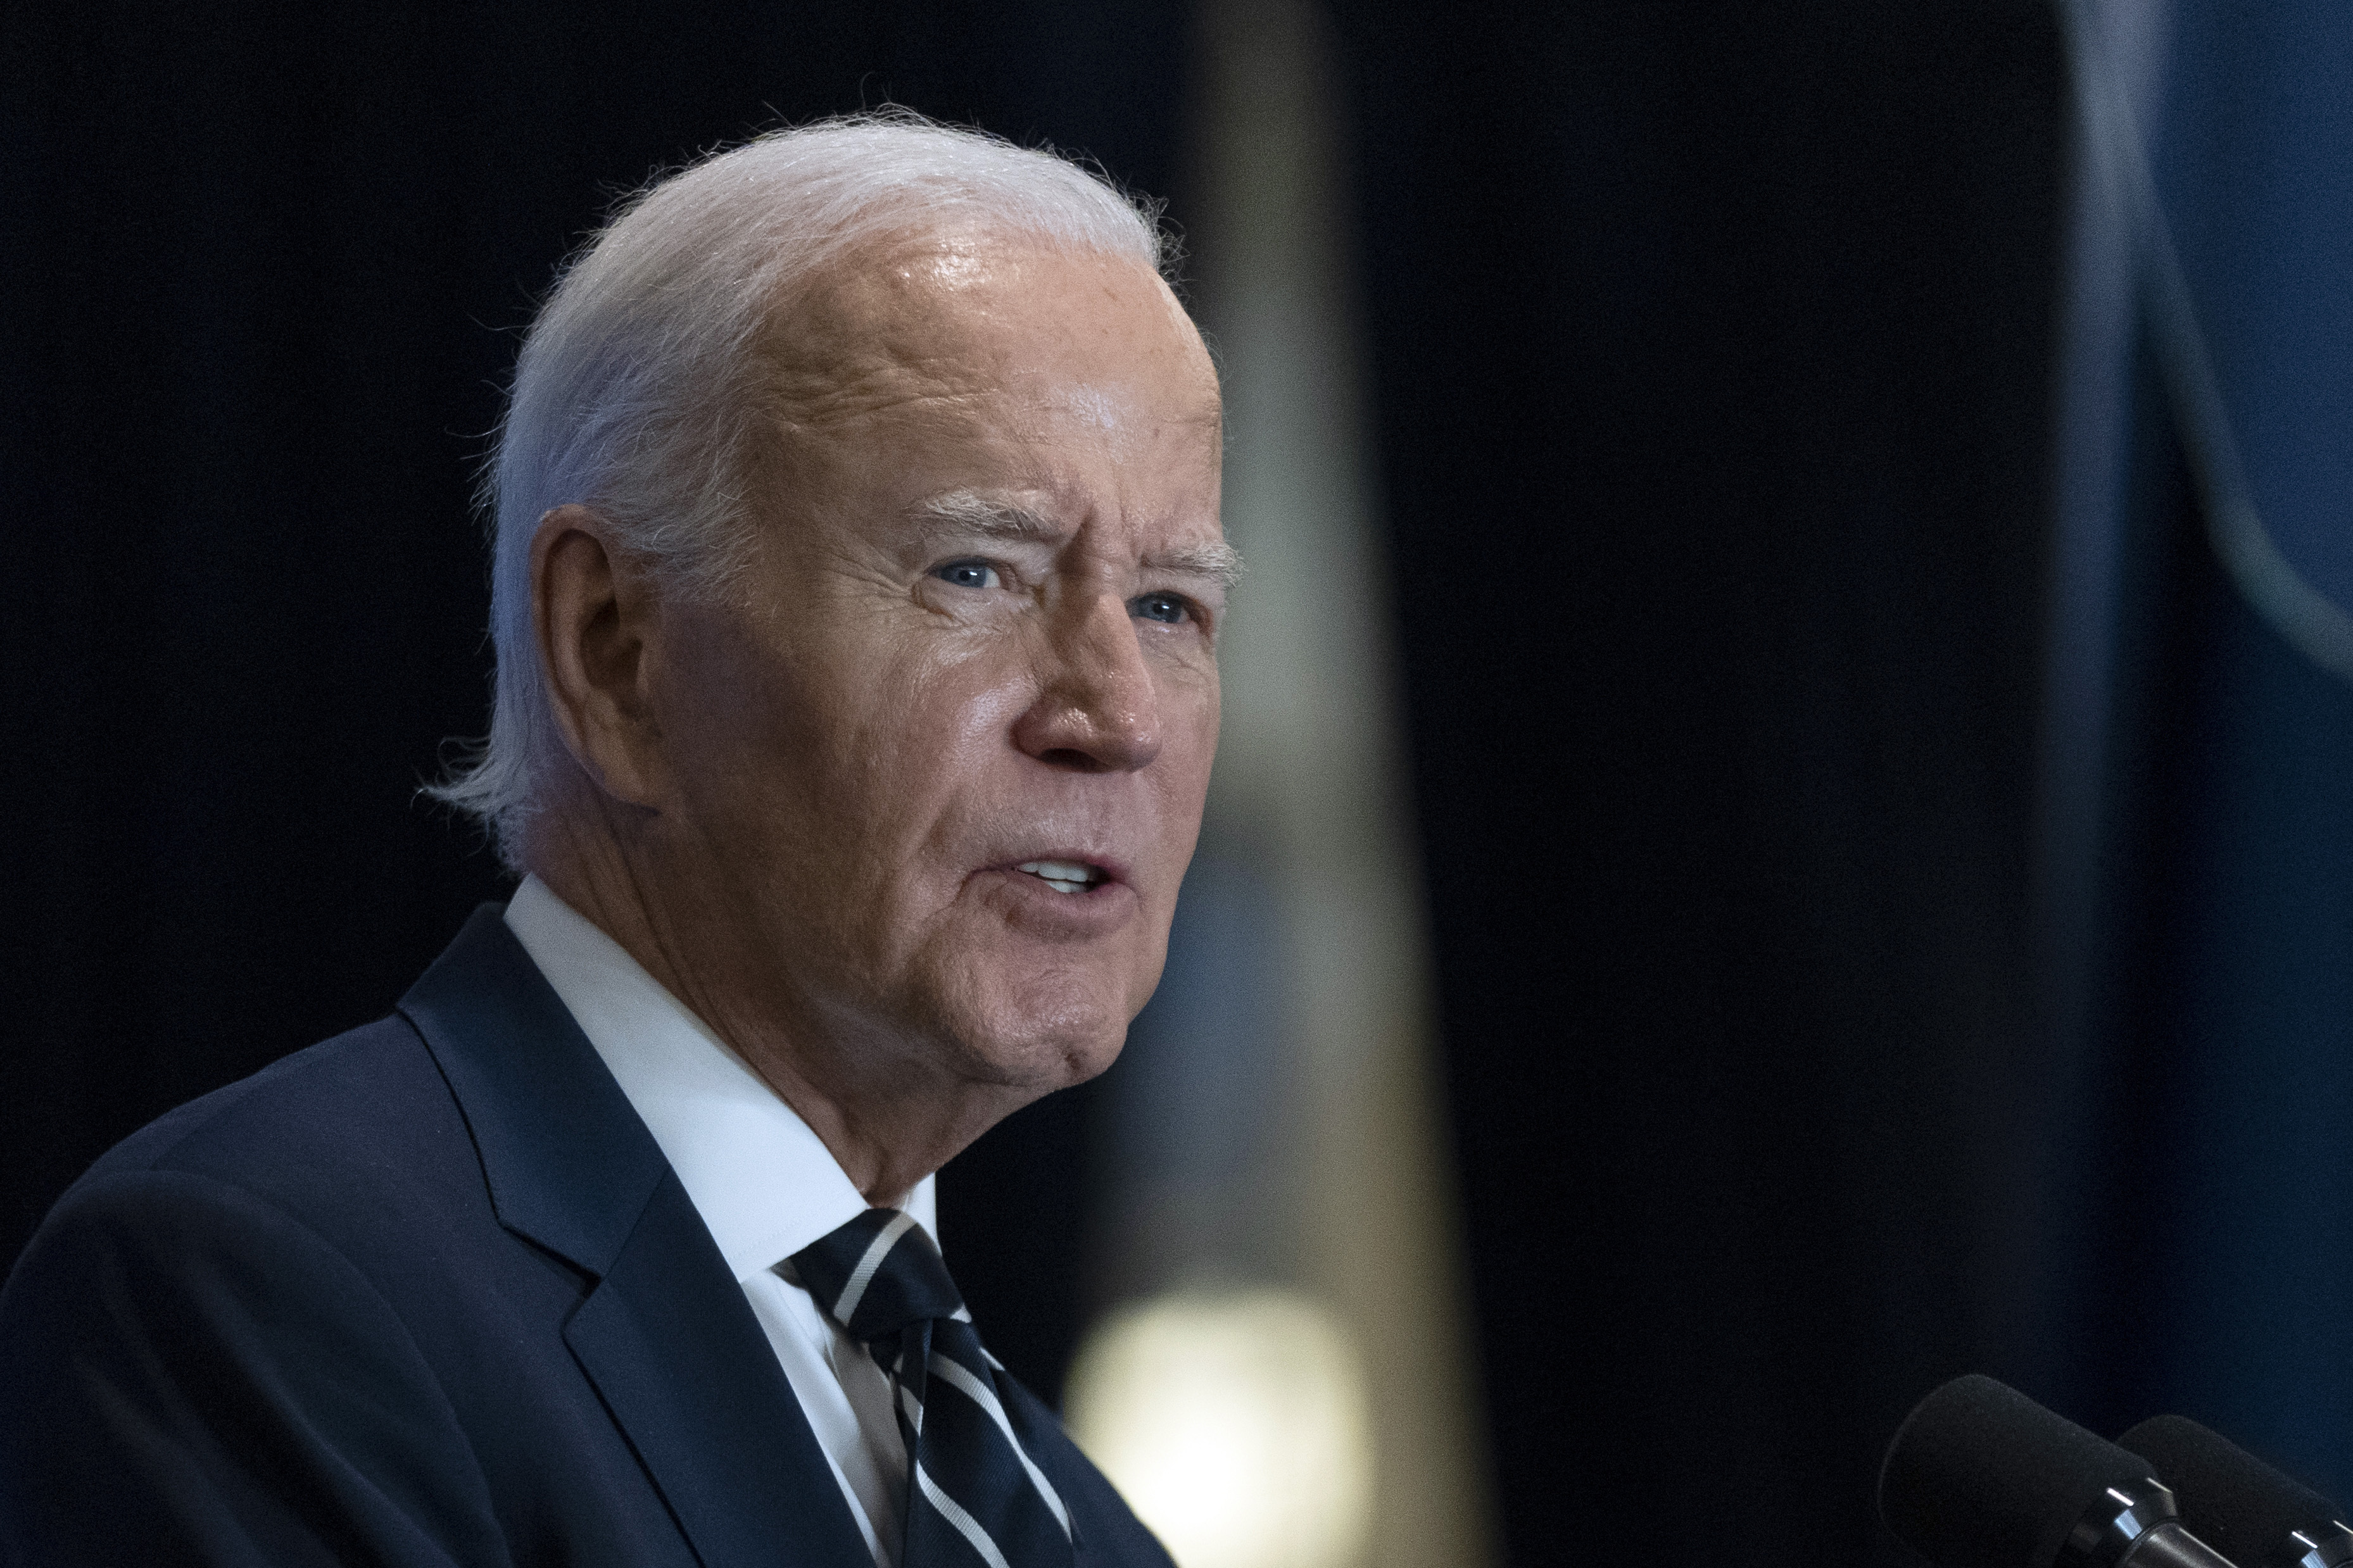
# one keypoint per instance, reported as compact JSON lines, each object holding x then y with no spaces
{"x":639,"y":393}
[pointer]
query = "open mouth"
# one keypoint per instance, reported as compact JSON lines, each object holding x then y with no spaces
{"x":1065,"y":876}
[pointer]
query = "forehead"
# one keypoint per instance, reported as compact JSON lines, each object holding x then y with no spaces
{"x":935,"y":323}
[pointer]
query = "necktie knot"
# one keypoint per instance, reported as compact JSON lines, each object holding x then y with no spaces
{"x":878,"y":1274}
{"x":975,"y":1496}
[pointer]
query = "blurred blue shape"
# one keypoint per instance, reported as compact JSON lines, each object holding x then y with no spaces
{"x":2250,"y":147}
{"x":2198,"y":811}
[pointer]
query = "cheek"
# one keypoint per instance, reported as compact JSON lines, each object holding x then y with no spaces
{"x":1192,"y":715}
{"x":925,"y":753}
{"x":943,"y":706}
{"x":772,"y":738}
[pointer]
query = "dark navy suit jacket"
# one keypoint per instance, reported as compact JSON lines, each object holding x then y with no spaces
{"x":425,"y":1294}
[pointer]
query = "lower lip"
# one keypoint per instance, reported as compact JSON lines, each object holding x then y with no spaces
{"x":1033,"y":901}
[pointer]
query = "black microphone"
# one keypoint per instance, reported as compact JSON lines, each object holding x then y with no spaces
{"x":1980,"y":1476}
{"x":2257,"y":1516}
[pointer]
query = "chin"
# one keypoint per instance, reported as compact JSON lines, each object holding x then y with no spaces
{"x":1030,"y":1016}
{"x":1044,"y":1036}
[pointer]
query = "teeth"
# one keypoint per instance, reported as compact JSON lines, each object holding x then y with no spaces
{"x":1064,"y":876}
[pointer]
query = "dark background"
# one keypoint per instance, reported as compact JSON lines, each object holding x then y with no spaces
{"x":1712,"y":351}
{"x":1715,"y":354}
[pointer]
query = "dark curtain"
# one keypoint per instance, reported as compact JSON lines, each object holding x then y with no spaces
{"x":1713,"y":348}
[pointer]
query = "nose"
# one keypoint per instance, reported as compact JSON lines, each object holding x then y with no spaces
{"x":1098,"y":709}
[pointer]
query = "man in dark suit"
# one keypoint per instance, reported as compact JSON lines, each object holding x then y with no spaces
{"x":857,"y":577}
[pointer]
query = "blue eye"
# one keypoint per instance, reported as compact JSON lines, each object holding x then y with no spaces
{"x":1166,"y":608}
{"x":968,"y":574}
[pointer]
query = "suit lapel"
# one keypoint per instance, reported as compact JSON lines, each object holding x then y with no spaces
{"x":704,"y":1412}
{"x":665,"y":1334}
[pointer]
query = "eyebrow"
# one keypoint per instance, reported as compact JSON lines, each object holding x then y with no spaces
{"x":1218,"y":561}
{"x":970,"y":513}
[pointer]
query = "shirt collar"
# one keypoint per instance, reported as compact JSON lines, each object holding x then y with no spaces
{"x":765,"y":1185}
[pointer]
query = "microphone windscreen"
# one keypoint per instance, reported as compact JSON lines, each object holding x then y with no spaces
{"x":2239,"y":1505}
{"x":1980,"y":1476}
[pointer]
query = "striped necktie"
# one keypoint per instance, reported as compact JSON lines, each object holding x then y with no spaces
{"x":975,"y":1497}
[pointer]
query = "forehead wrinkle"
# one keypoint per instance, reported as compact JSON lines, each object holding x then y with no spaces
{"x":818,"y":396}
{"x":828,"y":357}
{"x":827,"y":360}
{"x":831,"y":356}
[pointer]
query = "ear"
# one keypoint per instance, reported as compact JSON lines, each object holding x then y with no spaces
{"x":595,"y":622}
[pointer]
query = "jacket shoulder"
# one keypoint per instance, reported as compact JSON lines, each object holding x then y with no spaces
{"x":349,"y":1127}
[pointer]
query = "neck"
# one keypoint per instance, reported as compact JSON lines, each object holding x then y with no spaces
{"x":878,"y":1100}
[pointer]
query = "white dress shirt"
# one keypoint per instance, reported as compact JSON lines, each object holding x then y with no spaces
{"x":765,"y":1185}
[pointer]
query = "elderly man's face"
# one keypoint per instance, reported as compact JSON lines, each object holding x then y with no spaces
{"x":941,"y":762}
